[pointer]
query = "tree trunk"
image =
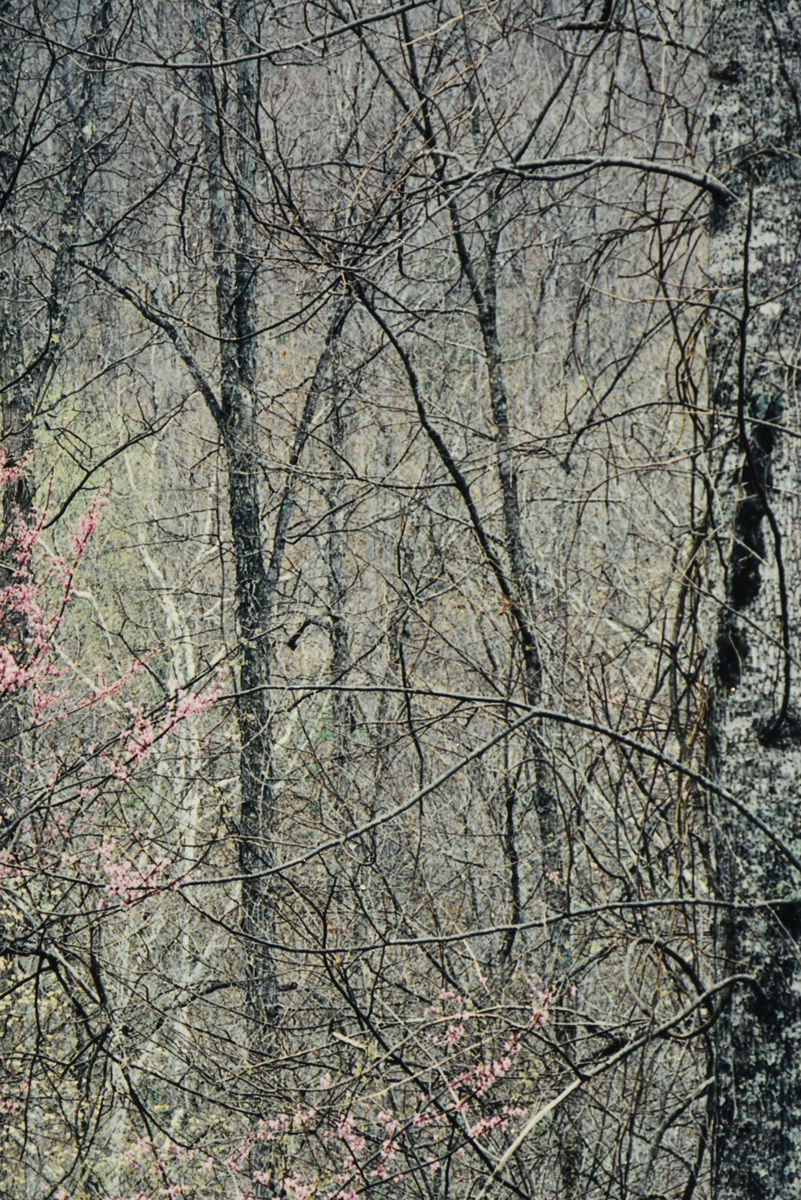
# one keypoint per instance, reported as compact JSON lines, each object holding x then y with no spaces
{"x":755,"y":118}
{"x":225,"y":108}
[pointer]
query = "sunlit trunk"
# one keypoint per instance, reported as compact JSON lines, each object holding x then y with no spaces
{"x":754,"y":121}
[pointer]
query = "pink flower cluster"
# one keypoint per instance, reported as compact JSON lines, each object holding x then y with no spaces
{"x":367,"y":1145}
{"x":126,"y":881}
{"x":88,"y":524}
{"x":270,"y":1128}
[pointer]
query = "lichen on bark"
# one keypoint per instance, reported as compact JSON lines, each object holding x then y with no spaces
{"x":755,"y":135}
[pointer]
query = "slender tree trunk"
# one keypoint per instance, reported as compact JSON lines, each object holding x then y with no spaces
{"x":551,"y":826}
{"x":755,"y":127}
{"x":341,"y":702}
{"x":226,"y":106}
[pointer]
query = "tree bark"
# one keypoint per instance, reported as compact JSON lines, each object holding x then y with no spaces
{"x":224,"y":120}
{"x":755,"y":129}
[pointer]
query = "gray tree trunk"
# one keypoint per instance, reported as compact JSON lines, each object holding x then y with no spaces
{"x":755,"y":123}
{"x":235,"y":282}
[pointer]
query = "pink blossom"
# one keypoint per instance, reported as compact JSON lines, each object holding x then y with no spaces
{"x":345,"y":1127}
{"x":140,"y":740}
{"x":301,"y":1118}
{"x":11,"y":869}
{"x":486,"y":1124}
{"x":12,"y":473}
{"x":12,"y":675}
{"x":196,"y":703}
{"x":293,"y":1185}
{"x":539,"y":1007}
{"x":127,"y":881}
{"x":388,"y":1120}
{"x":241,"y":1153}
{"x":26,"y":538}
{"x":87,"y":524}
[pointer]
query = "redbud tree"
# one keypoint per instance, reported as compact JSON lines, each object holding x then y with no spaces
{"x":125,"y":1068}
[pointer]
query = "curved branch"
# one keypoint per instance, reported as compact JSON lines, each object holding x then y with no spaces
{"x":586,"y":163}
{"x":530,"y":714}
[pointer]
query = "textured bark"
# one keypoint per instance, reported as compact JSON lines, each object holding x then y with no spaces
{"x":224,"y":129}
{"x":485,"y":294}
{"x":227,"y":108}
{"x":755,"y":130}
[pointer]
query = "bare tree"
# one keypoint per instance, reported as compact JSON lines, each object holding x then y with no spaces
{"x":386,"y":336}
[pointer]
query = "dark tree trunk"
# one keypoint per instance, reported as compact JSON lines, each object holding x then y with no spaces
{"x":755,"y":129}
{"x":226,"y":105}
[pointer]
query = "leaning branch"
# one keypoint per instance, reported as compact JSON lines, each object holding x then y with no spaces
{"x":530,"y":714}
{"x":551,"y":169}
